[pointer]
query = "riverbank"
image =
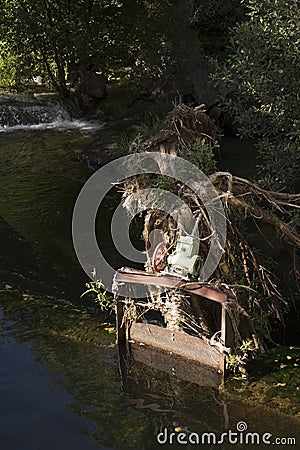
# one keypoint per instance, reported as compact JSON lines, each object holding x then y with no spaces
{"x":273,"y":381}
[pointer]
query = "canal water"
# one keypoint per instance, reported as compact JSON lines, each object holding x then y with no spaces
{"x":60,"y":380}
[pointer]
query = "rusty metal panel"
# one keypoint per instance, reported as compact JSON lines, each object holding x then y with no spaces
{"x":148,"y":279}
{"x":174,"y":365}
{"x":206,"y":292}
{"x":139,"y":277}
{"x":178,"y":353}
{"x":177,"y":343}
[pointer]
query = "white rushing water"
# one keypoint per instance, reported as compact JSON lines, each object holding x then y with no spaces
{"x":36,"y":112}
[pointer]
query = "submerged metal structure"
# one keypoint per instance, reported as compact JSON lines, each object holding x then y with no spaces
{"x":179,"y":353}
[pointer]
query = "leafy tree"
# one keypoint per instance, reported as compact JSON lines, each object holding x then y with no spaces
{"x":14,"y":67}
{"x":264,"y":76}
{"x":59,"y":34}
{"x":65,"y":36}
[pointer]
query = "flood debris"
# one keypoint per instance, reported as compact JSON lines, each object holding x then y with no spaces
{"x":254,"y":297}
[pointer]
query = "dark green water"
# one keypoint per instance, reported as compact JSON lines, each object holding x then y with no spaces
{"x":60,"y":383}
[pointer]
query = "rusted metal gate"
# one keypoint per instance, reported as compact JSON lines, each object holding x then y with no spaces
{"x":188,"y":357}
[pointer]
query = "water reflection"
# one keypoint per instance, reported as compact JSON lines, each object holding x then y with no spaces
{"x":64,"y":358}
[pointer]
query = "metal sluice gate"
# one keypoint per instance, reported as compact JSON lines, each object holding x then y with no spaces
{"x":188,"y":357}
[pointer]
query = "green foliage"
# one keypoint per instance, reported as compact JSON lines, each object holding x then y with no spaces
{"x":203,"y":155}
{"x":263,"y":73}
{"x":64,"y":37}
{"x":150,"y":127}
{"x":278,"y":162}
{"x":123,"y":143}
{"x":10,"y":74}
{"x":280,"y":361}
{"x":273,"y":381}
{"x":237,"y":360}
{"x":102,"y":299}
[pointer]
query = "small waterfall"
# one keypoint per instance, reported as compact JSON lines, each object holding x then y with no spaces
{"x":17,"y":111}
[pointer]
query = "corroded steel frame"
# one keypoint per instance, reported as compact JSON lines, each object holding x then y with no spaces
{"x":178,"y":347}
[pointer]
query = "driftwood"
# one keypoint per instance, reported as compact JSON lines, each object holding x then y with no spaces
{"x":261,"y":297}
{"x":182,"y":126}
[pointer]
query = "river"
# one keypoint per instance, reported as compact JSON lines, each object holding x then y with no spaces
{"x":60,"y":381}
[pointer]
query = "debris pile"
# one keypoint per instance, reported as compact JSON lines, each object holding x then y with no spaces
{"x":262,"y":297}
